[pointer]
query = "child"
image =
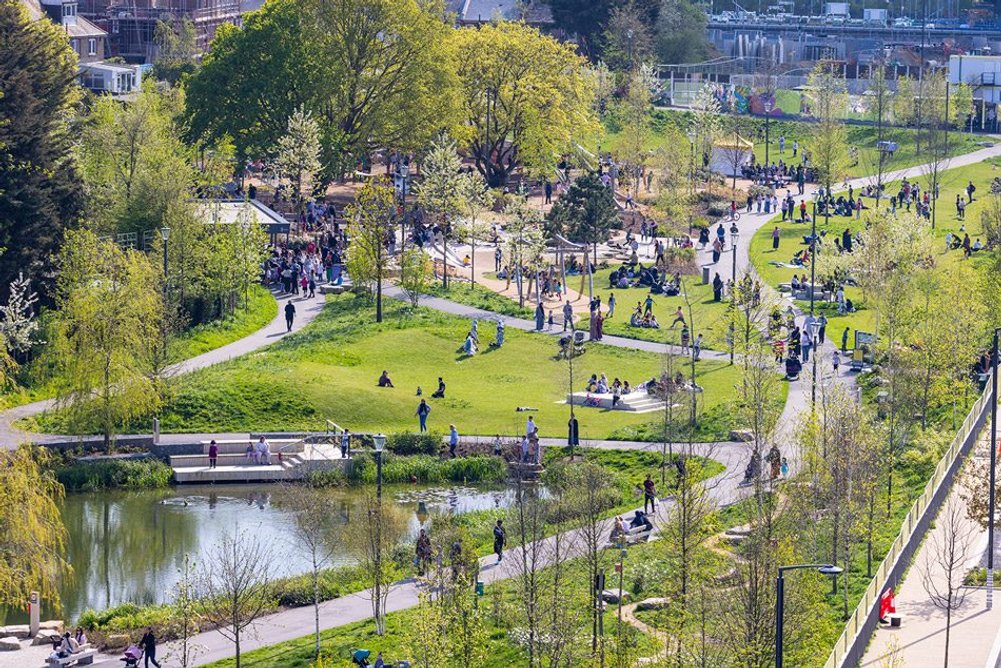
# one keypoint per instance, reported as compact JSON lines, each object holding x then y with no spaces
{"x":550,"y":322}
{"x":836,"y":361}
{"x":784,"y":468}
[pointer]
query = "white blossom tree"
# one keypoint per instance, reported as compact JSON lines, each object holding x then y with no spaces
{"x":298,"y":157}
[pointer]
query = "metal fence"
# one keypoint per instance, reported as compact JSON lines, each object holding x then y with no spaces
{"x":851,"y":646}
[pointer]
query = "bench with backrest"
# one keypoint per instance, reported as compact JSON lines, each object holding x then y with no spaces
{"x":84,"y":657}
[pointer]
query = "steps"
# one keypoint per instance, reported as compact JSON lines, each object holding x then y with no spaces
{"x":291,"y":459}
{"x":636,"y":402}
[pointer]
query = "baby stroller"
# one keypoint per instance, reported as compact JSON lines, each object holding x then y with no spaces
{"x":359,"y":657}
{"x":793,"y":368}
{"x":133,"y":655}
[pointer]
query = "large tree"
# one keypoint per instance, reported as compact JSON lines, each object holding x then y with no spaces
{"x":681,"y":32}
{"x":253,"y":79}
{"x":588,"y":19}
{"x":526,"y":98}
{"x":39,"y":187}
{"x":372,"y":219}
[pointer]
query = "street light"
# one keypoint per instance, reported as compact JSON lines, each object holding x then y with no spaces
{"x":813,"y":248}
{"x":823,"y":569}
{"x":994,"y":449}
{"x":379,"y":440}
{"x":691,"y":175}
{"x":165,"y":234}
{"x":734,"y":238}
{"x":404,"y":172}
{"x":814,"y":345}
{"x":768,"y":106}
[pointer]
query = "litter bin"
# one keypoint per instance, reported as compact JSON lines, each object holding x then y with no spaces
{"x":705,"y":274}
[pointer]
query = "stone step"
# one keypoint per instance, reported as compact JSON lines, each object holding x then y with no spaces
{"x":252,"y":473}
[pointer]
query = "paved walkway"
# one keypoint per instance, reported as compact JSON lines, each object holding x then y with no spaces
{"x":306,"y":311}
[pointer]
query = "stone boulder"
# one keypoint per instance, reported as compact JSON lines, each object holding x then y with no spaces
{"x":652,"y":604}
{"x":45,"y":637}
{"x":9,"y":644}
{"x":52,"y":625}
{"x":16,"y":630}
{"x":742,"y":435}
{"x":612,"y":596}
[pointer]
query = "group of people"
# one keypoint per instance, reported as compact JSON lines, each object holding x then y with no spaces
{"x":471,"y":345}
{"x":600,"y":385}
{"x":259,"y":453}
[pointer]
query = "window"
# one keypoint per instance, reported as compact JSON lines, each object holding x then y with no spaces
{"x":91,"y":47}
{"x":75,"y":45}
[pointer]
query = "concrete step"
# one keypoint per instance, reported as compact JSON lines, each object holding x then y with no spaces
{"x":203,"y":474}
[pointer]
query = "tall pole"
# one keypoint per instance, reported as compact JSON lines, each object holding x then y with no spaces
{"x":768,"y":118}
{"x":780,"y":585}
{"x":378,"y":540}
{"x":813,"y":291}
{"x":990,"y":494}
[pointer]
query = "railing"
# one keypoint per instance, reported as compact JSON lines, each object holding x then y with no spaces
{"x":333,"y":428}
{"x":851,"y":646}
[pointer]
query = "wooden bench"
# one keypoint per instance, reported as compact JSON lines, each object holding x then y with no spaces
{"x":84,"y":657}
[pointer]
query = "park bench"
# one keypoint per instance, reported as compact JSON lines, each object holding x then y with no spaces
{"x":84,"y":657}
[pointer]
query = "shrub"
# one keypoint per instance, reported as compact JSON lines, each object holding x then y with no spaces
{"x":115,"y":473}
{"x":414,"y":444}
{"x":427,"y":469}
{"x":326,"y":478}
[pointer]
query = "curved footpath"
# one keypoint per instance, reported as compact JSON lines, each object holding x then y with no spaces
{"x":298,"y":622}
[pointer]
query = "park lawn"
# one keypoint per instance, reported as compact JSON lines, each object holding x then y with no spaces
{"x":711,"y":319}
{"x":482,"y":297}
{"x":329,"y":371}
{"x":261,"y":308}
{"x":952,"y":181}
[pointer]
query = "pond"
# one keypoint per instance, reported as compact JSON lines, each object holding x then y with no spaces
{"x":129,"y":546}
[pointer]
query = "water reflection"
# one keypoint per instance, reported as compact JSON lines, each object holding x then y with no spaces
{"x":128,"y":546}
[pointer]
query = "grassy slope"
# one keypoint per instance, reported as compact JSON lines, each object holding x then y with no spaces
{"x":261,"y":309}
{"x":329,"y":370}
{"x":952,"y":181}
{"x":258,"y":312}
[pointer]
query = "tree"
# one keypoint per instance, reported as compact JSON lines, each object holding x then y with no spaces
{"x":177,"y":48}
{"x":415,"y":273}
{"x":525,"y":98}
{"x":681,"y":32}
{"x":880,"y":108}
{"x":32,"y":553}
{"x":372,"y":542}
{"x":372,"y":217}
{"x":586,"y":213}
{"x":525,"y":242}
{"x":945,"y":558}
{"x":104,"y":335}
{"x":628,"y":37}
{"x":39,"y":184}
{"x":312,"y":528}
{"x":298,"y":156}
{"x":475,"y":198}
{"x":186,"y":606}
{"x":440,"y":190}
{"x":829,"y":141}
{"x":237,"y":586}
{"x":253,"y":79}
{"x":732,"y":146}
{"x":636,"y":126}
{"x":705,"y":125}
{"x":18,"y":325}
{"x":590,"y":19}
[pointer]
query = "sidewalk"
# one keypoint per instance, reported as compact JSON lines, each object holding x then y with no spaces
{"x":976,"y":632}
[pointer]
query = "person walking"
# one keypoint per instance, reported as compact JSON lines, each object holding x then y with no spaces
{"x":844,"y":341}
{"x":422,"y":414}
{"x":453,"y":440}
{"x":345,"y":444}
{"x":822,"y":332}
{"x":497,"y":259}
{"x":540,"y":317}
{"x":611,"y":304}
{"x":649,"y":495}
{"x":500,"y":538}
{"x":717,"y":288}
{"x":836,"y":361}
{"x":423,"y":552}
{"x":213,"y":454}
{"x":289,"y":315}
{"x":549,"y":192}
{"x":567,"y":315}
{"x":148,"y":644}
{"x":776,"y":235}
{"x":697,"y":348}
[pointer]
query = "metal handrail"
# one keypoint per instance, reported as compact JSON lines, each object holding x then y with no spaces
{"x":856,"y":623}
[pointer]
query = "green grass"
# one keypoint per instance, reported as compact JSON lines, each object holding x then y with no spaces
{"x":480,"y":297}
{"x":260,"y":309}
{"x":115,"y":474}
{"x":952,"y":181}
{"x":329,"y":371}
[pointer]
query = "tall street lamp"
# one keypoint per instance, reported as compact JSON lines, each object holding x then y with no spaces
{"x":813,"y":249}
{"x":768,"y":106}
{"x":814,"y":345}
{"x":691,"y":175}
{"x":404,"y":171}
{"x":734,"y":238}
{"x":165,"y":234}
{"x":824,"y":569}
{"x":994,"y":453}
{"x":379,"y":440}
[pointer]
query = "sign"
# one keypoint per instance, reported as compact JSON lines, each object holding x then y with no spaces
{"x":886,"y":604}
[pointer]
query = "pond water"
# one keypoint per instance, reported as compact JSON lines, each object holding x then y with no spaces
{"x":129,"y":546}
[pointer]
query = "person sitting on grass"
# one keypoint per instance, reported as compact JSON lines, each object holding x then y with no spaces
{"x":469,"y":346}
{"x":384,"y":380}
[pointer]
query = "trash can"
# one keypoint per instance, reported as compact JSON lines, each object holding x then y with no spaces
{"x":705,"y":274}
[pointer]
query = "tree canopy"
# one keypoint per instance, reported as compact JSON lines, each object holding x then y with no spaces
{"x":39,"y":187}
{"x":586,"y":213}
{"x":526,"y":98}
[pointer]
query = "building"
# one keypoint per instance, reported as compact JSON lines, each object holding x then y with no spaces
{"x":475,"y":12}
{"x":90,"y":43}
{"x":132,"y":23}
{"x":983,"y":75}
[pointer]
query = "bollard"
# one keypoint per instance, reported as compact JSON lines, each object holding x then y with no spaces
{"x":34,"y":614}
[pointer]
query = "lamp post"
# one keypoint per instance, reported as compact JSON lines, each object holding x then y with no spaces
{"x":165,"y":234}
{"x":573,"y":430}
{"x":379,"y":440}
{"x":814,"y":329}
{"x":768,"y":117}
{"x":824,"y":569}
{"x":691,"y":176}
{"x":404,"y":172}
{"x":734,"y":238}
{"x":994,"y":450}
{"x":813,"y":248}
